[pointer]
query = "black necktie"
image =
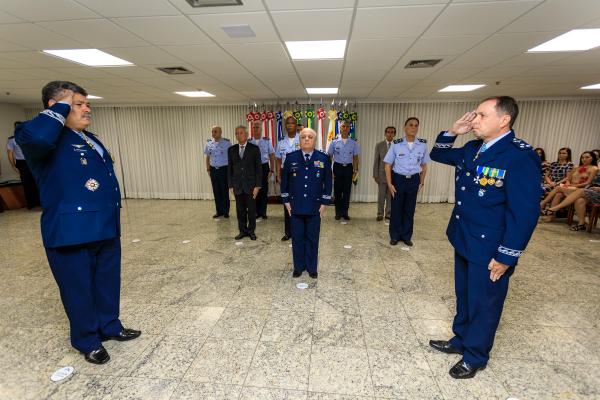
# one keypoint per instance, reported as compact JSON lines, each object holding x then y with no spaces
{"x":307,"y":156}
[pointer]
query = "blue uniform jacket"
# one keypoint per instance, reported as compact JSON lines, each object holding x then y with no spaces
{"x":306,"y":185}
{"x":497,"y":197}
{"x":79,"y":191}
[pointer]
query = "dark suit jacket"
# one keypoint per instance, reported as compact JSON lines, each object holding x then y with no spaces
{"x":244,"y":174}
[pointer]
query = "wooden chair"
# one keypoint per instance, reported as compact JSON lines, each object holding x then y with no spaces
{"x":594,"y":212}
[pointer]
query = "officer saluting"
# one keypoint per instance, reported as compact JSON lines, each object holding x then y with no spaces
{"x":216,"y":166}
{"x":306,"y":190}
{"x":344,"y":153}
{"x":284,"y":147}
{"x":267,"y":159}
{"x":408,"y":157}
{"x":80,"y":220}
{"x":496,"y":211}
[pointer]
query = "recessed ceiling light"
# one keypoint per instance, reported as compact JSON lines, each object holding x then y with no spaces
{"x":595,"y":86}
{"x":460,"y":88}
{"x":317,"y":49}
{"x":92,"y":97}
{"x":196,"y":93}
{"x":321,"y":90}
{"x":575,"y":40}
{"x":89,"y":57}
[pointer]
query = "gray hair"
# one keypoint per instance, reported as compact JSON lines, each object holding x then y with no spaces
{"x":241,"y":127}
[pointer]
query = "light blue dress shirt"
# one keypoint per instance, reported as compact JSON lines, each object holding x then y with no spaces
{"x":407,"y":161}
{"x":343,"y":153}
{"x":217,"y":151}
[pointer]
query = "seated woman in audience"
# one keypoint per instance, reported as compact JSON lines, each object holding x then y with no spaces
{"x":581,"y":197}
{"x":545,"y":164}
{"x":579,"y":177}
{"x":558,"y":169}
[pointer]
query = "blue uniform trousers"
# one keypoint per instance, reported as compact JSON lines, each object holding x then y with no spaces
{"x":404,"y":203}
{"x":286,"y":219}
{"x":89,"y":280}
{"x":263,"y":193}
{"x":305,"y":241}
{"x":479,"y":303}
{"x":218,"y":178}
{"x":342,"y":186}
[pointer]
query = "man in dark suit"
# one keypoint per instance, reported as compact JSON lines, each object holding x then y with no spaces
{"x":496,"y":211}
{"x":245,"y":178}
{"x":80,"y":222}
{"x":384,"y":197}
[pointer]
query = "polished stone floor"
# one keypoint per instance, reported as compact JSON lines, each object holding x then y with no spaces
{"x":225,"y":321}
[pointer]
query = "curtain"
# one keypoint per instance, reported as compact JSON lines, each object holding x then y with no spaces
{"x":158,"y":150}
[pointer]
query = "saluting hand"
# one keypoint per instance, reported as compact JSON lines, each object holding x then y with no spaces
{"x":65,"y":96}
{"x":464,"y":124}
{"x":497,"y":269}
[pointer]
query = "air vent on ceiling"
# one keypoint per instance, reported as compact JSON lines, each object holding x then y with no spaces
{"x":422,"y":63}
{"x":238,"y":31}
{"x":214,"y":3}
{"x":175,"y":70}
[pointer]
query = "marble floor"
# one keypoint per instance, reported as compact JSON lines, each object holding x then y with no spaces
{"x":226,"y":321}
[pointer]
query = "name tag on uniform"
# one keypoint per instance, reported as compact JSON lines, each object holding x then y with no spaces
{"x":319,"y":164}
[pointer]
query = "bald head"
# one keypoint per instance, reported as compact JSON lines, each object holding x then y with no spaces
{"x":216,"y":132}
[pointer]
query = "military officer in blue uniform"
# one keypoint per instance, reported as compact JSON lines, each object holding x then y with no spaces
{"x":344,"y":152}
{"x":408,"y":157}
{"x":305,"y":190}
{"x":285,"y":146}
{"x":216,"y":166}
{"x":496,"y":211}
{"x":80,"y":220}
{"x":267,"y":158}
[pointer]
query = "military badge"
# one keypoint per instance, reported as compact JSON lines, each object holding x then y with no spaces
{"x":481,"y":192}
{"x":491,"y":181}
{"x":92,"y":185}
{"x":499,"y":183}
{"x":83,"y":161}
{"x":483,"y":181}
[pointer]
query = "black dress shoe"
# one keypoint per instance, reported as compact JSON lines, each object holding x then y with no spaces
{"x":444,"y":346}
{"x":462,"y":370}
{"x":240,"y":236}
{"x":393,"y":242}
{"x":225,"y":215}
{"x":337,"y":217}
{"x":124,"y":335}
{"x":408,"y":243}
{"x":347,"y":218}
{"x":313,"y":275}
{"x":252,"y":236}
{"x":285,"y":237}
{"x":99,"y":356}
{"x":264,"y":217}
{"x":216,"y":215}
{"x":379,"y":218}
{"x":297,"y":274}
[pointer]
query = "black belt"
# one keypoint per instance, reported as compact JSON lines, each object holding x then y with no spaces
{"x":222,"y":166}
{"x":343,"y":165}
{"x":406,"y":176}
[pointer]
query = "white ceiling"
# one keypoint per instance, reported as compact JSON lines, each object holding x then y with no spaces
{"x":480,"y":42}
